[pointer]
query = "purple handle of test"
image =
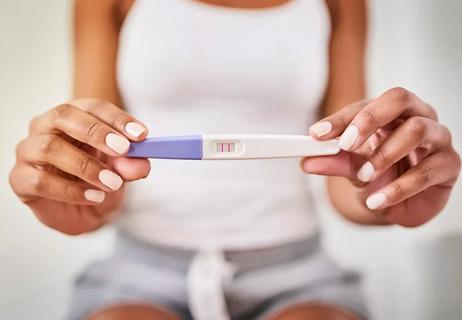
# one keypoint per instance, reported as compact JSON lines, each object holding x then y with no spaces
{"x":180,"y":147}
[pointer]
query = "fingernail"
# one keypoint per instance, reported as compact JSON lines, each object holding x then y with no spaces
{"x":117,"y":143}
{"x":94,"y":195}
{"x":110,"y":179}
{"x":348,"y":138}
{"x":376,"y":200}
{"x":366,"y":172}
{"x":322,"y":128}
{"x":134,"y":129}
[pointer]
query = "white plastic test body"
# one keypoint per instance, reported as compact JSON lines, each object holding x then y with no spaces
{"x":243,"y":146}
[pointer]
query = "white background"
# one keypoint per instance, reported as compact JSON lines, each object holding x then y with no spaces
{"x":410,"y":274}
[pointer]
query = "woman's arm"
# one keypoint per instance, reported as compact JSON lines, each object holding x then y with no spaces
{"x":96,"y":38}
{"x":346,"y":54}
{"x":71,"y":169}
{"x":347,"y":85}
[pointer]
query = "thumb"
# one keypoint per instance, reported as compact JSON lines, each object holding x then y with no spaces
{"x":132,"y":168}
{"x":335,"y":165}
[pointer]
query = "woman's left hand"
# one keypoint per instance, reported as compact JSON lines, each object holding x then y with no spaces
{"x":398,"y":154}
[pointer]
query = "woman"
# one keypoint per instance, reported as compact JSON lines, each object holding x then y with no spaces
{"x":213,"y":240}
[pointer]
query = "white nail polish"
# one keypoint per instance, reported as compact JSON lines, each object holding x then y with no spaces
{"x":117,"y":143}
{"x":94,"y":195}
{"x":134,"y":129}
{"x":322,"y":128}
{"x":366,"y":172}
{"x":376,"y":200}
{"x":348,"y":138}
{"x":110,"y":179}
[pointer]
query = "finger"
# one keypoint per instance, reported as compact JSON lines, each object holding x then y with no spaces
{"x":339,"y":165}
{"x":380,"y":112}
{"x":114,"y":117}
{"x":333,"y":125}
{"x":131,"y":169}
{"x":414,"y":132}
{"x":81,"y":126}
{"x":30,"y":183}
{"x":434,"y":170}
{"x":59,"y":153}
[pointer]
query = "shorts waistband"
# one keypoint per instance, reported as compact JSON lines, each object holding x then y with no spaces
{"x":243,"y":260}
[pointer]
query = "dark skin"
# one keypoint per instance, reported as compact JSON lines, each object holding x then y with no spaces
{"x":71,"y":172}
{"x":245,"y":4}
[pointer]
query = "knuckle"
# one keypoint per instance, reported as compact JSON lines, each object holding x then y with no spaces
{"x":417,"y":127}
{"x":381,"y":158}
{"x":93,"y":105}
{"x":33,"y":124}
{"x":367,"y":118}
{"x":60,"y":112}
{"x":447,"y":135}
{"x":12,"y":179}
{"x":37,"y":182}
{"x":432,"y":112}
{"x":425,"y":175}
{"x":91,"y":128}
{"x":397,"y":192}
{"x":86,"y":163}
{"x":20,"y":148}
{"x":48,"y":145}
{"x":69,"y":190}
{"x":400,"y":93}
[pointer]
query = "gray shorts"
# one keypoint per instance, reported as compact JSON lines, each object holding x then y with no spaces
{"x":264,"y":280}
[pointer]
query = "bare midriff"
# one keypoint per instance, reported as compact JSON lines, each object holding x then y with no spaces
{"x":246,"y":4}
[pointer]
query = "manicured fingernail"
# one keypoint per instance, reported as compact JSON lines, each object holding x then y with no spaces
{"x":110,"y":179}
{"x":366,"y":172}
{"x":117,"y":143}
{"x":134,"y":129}
{"x":94,"y":195}
{"x":348,"y":138}
{"x":376,"y":200}
{"x":322,"y":128}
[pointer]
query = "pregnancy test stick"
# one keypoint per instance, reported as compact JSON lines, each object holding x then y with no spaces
{"x":231,"y":147}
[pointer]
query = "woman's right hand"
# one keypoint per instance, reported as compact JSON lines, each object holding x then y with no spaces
{"x":70,"y":170}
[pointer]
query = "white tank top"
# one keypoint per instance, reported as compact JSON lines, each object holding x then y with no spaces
{"x":187,"y":67}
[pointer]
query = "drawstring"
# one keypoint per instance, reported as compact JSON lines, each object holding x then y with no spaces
{"x":208,"y":273}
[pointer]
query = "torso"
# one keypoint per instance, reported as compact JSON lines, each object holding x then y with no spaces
{"x":187,"y":67}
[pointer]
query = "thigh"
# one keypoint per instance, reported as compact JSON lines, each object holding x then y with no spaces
{"x":313,"y":311}
{"x":312,"y":284}
{"x":113,"y":288}
{"x":134,"y":311}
